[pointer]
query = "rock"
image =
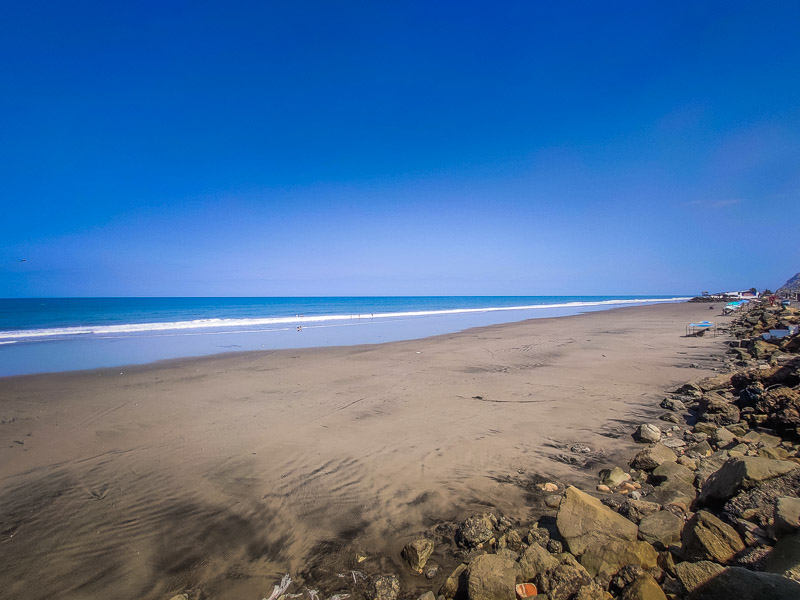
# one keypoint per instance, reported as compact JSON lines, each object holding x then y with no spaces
{"x":427,"y":596}
{"x":741,"y":474}
{"x":673,"y":443}
{"x":456,"y":584}
{"x":603,"y":488}
{"x":722,"y":437}
{"x":662,"y":529}
{"x":673,"y":404}
{"x":706,"y":537}
{"x":475,"y":531}
{"x":491,"y":577}
{"x":552,"y":501}
{"x":548,"y":487}
{"x":610,"y":556}
{"x":689,"y":389}
{"x":649,"y":458}
{"x":717,"y":382}
{"x":701,"y":449}
{"x":647,"y":433}
{"x":593,"y":591}
{"x":535,"y":560}
{"x":514,"y":540}
{"x":538,"y":535}
{"x":717,"y":410}
{"x":180,"y":597}
{"x":785,"y":558}
{"x":670,"y":471}
{"x":674,"y":491}
{"x":687,"y":462}
{"x":736,"y":583}
{"x":583,"y":521}
{"x":416,"y":552}
{"x":644,"y":587}
{"x":563,"y":581}
{"x":636,"y":510}
{"x":694,"y":575}
{"x":431,"y":571}
{"x":615,"y":477}
{"x":786,"y":515}
{"x":384,"y":587}
{"x":757,"y":504}
{"x":555,"y":547}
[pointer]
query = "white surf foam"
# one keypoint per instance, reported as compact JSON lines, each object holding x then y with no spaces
{"x":133,"y":328}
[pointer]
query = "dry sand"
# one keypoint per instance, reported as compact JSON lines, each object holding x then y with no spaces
{"x":217,"y":475}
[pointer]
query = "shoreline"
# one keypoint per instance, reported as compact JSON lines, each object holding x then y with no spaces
{"x":320,"y":452}
{"x":98,"y":347}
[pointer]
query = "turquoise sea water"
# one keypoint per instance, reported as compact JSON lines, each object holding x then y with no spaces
{"x":55,"y":334}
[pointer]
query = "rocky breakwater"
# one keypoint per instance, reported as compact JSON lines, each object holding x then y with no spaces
{"x":709,"y":508}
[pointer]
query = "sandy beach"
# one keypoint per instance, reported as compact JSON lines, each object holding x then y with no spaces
{"x":218,"y":475}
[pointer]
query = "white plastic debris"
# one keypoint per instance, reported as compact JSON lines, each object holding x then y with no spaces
{"x":280,"y":588}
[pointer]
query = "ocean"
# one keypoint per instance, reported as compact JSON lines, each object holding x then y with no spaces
{"x":59,"y":334}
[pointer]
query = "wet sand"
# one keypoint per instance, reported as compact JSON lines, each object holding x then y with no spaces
{"x":216,"y":475}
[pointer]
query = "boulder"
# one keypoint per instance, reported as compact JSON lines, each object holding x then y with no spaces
{"x":785,"y":558}
{"x":736,"y":582}
{"x":583,"y":521}
{"x":786,"y":515}
{"x":636,"y":510}
{"x":758,"y":503}
{"x":535,"y":560}
{"x":491,"y":577}
{"x":674,"y":491}
{"x":740,"y":474}
{"x":608,"y":557}
{"x":593,"y":591}
{"x":647,"y":433}
{"x":706,"y":537}
{"x":671,"y":471}
{"x":662,"y":529}
{"x":693,"y":575}
{"x":649,"y":458}
{"x":563,"y":582}
{"x":717,"y":410}
{"x":384,"y":587}
{"x":723,"y":437}
{"x":538,"y":535}
{"x":456,"y":584}
{"x":643,"y":587}
{"x":673,"y":404}
{"x":417,"y":552}
{"x":717,"y":382}
{"x":615,"y":477}
{"x":475,"y":531}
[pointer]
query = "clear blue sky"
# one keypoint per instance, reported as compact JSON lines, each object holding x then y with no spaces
{"x":410,"y":148}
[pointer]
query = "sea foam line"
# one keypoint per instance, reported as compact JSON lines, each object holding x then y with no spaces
{"x":298,"y":319}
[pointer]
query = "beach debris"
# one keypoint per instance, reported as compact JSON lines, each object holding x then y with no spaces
{"x":280,"y":588}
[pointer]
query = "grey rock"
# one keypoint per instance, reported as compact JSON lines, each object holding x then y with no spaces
{"x":491,"y":577}
{"x":673,"y":404}
{"x":583,"y":521}
{"x":693,"y":575}
{"x":636,"y":510}
{"x":647,"y":433}
{"x":673,"y":443}
{"x":706,"y":537}
{"x":535,"y":560}
{"x":615,"y":477}
{"x":475,"y":531}
{"x":741,"y":474}
{"x":735,"y":582}
{"x":785,"y":558}
{"x":786,"y":515}
{"x":644,"y":587}
{"x":670,"y":471}
{"x":416,"y":552}
{"x":662,"y":529}
{"x":563,"y":582}
{"x":649,"y":458}
{"x":757,"y":504}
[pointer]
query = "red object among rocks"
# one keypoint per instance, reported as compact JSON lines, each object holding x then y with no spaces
{"x":525,"y":590}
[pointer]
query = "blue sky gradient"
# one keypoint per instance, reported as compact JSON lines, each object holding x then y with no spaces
{"x":414,"y":148}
